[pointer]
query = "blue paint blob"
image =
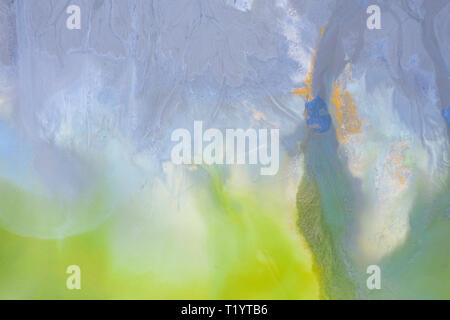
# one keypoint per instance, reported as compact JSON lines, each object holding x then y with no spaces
{"x":317,"y":117}
{"x":446,"y":114}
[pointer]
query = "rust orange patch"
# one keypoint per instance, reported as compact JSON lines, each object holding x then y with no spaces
{"x":395,"y":161}
{"x":306,"y":91}
{"x":348,"y":122}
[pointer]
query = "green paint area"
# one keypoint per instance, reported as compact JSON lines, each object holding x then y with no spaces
{"x":329,"y":267}
{"x":246,"y":251}
{"x":255,"y":254}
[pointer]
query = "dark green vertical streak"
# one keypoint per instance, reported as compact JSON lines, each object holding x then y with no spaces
{"x":325,"y":204}
{"x":327,"y":263}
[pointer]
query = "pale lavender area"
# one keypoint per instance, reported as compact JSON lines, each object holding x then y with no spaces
{"x":77,"y":106}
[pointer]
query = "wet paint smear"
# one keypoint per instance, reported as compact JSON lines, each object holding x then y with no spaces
{"x":317,"y":117}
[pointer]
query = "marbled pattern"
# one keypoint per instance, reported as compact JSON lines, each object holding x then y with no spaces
{"x":85,"y":174}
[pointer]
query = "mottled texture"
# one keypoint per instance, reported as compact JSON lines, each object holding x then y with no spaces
{"x":86,"y":118}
